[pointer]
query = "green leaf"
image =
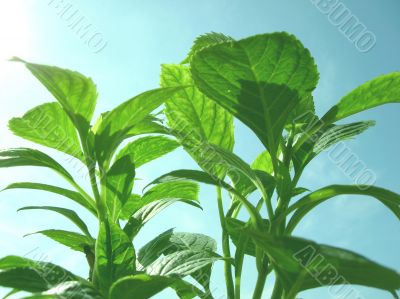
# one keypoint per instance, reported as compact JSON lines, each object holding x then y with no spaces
{"x":144,"y":214}
{"x":182,"y":263}
{"x":76,"y":93}
{"x":119,"y":184}
{"x":203,"y":177}
{"x":235,"y":229}
{"x":169,"y":190}
{"x":115,"y":255}
{"x":130,"y":206}
{"x":306,"y":264}
{"x":206,"y":40}
{"x":146,"y":149}
{"x":260,"y":80}
{"x":31,"y":276}
{"x":170,"y":242}
{"x":325,"y":138}
{"x":117,"y":124}
{"x":31,"y":157}
{"x":194,"y":119}
{"x":71,"y":215}
{"x":304,"y":205}
{"x":379,"y":91}
{"x":75,"y":196}
{"x":70,"y":290}
{"x":140,"y":286}
{"x":70,"y":239}
{"x":263,"y":162}
{"x":50,"y":126}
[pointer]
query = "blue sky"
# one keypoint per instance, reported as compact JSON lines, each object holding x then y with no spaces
{"x":141,"y":35}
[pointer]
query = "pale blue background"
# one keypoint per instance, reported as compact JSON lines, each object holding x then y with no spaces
{"x":143,"y":34}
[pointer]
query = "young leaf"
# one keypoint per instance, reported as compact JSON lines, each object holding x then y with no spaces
{"x":206,"y":40}
{"x":71,"y":215}
{"x":260,"y":80}
{"x":304,"y":205}
{"x":144,"y":214}
{"x":308,"y":265}
{"x":119,"y":184}
{"x":48,"y":125}
{"x":203,"y":177}
{"x":146,"y":149}
{"x":72,"y":240}
{"x":194,"y":119}
{"x":76,"y":93}
{"x":379,"y":91}
{"x":115,"y":255}
{"x":116,"y":125}
{"x":263,"y":162}
{"x":325,"y":138}
{"x":31,"y":276}
{"x":75,"y":196}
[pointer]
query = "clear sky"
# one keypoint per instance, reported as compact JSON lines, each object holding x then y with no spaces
{"x":141,"y":35}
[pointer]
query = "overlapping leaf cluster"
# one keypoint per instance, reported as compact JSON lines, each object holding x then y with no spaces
{"x":265,"y":81}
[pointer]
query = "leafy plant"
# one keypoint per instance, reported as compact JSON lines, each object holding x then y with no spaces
{"x":116,"y":268}
{"x":265,"y":81}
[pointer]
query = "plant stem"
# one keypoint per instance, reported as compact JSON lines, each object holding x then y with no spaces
{"x":239,"y":257}
{"x":277,"y":292}
{"x":225,"y":248}
{"x":262,"y":277}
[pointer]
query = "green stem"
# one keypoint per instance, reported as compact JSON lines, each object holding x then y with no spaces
{"x":225,"y":248}
{"x":277,"y":292}
{"x":261,"y":279}
{"x":239,"y":258}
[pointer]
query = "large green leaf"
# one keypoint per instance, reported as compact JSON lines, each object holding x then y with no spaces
{"x":304,"y":205}
{"x":119,"y":184}
{"x":115,"y":255}
{"x":76,"y":93}
{"x":142,"y":286}
{"x":170,"y":242}
{"x":381,"y":90}
{"x":31,"y":157}
{"x":260,"y":80}
{"x":182,"y":263}
{"x":116,"y":125}
{"x":74,"y":241}
{"x":194,"y":119}
{"x":89,"y":204}
{"x":304,"y":264}
{"x":31,"y":276}
{"x":146,"y":149}
{"x":70,"y":290}
{"x":71,"y":215}
{"x":48,"y":125}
